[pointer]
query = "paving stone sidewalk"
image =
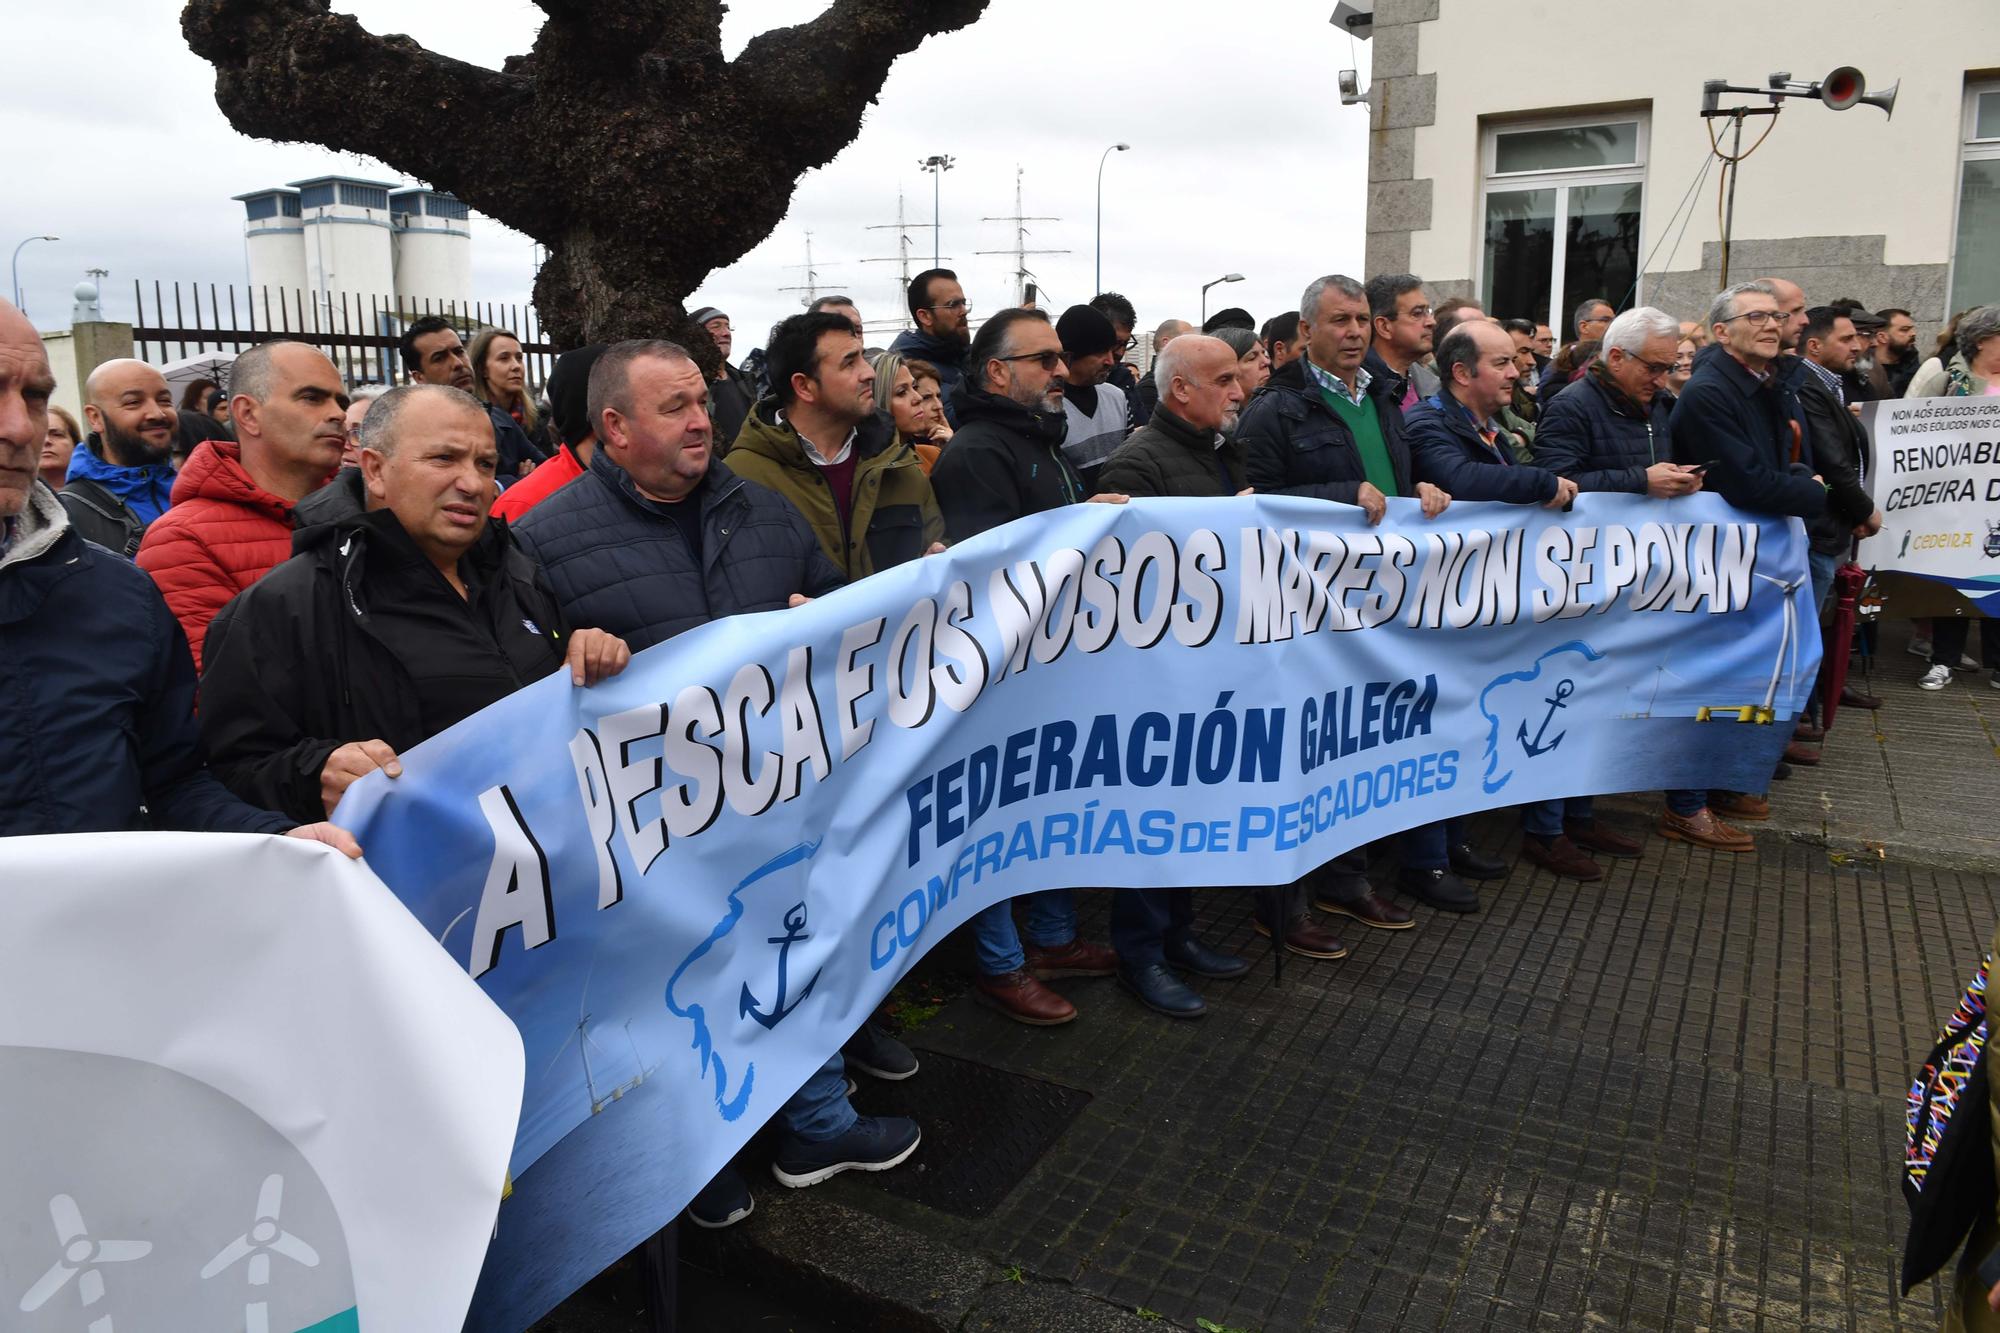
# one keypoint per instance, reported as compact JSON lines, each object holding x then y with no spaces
{"x":1671,"y":1100}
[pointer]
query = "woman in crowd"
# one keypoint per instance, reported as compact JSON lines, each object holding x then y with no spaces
{"x":1959,"y":367}
{"x":57,"y":445}
{"x":195,"y":397}
{"x":1683,"y":370}
{"x":500,"y":374}
{"x":908,"y":392}
{"x":1253,"y":362}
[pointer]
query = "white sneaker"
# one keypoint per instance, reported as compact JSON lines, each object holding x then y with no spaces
{"x":1935,"y":679}
{"x":1919,"y":647}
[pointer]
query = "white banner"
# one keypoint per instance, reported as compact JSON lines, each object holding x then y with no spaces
{"x":1936,"y":476}
{"x":240,"y":1088}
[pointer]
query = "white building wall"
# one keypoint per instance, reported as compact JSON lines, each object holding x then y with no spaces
{"x":348,"y":253}
{"x":276,"y":253}
{"x":433,"y":264}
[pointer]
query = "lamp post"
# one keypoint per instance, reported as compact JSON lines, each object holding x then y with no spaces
{"x":1227,"y":277}
{"x":1114,"y":148}
{"x":15,"y":264}
{"x":937,"y":164}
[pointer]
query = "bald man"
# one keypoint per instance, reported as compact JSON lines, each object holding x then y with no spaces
{"x":1792,"y":303}
{"x":232,"y":519}
{"x":1146,"y":396}
{"x":120,"y":478}
{"x":100,"y":732}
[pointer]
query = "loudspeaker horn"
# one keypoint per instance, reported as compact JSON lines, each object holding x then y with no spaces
{"x":1842,"y":88}
{"x":1886,"y":99}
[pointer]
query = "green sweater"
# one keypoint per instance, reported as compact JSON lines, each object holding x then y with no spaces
{"x":1367,"y":427}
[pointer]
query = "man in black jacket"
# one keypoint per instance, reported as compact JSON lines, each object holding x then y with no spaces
{"x":101,"y":733}
{"x":653,"y":540}
{"x":389,"y":624}
{"x":1325,"y":429}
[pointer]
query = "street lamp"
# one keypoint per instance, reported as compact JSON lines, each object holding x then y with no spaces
{"x":937,"y":164}
{"x":16,"y":265}
{"x":1227,"y":277}
{"x":1114,"y":148}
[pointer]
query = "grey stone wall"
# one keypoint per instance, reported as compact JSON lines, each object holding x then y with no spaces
{"x":1826,"y":266}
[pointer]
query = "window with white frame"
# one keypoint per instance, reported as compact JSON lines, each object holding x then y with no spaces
{"x":1561,"y":213}
{"x":1975,"y":259}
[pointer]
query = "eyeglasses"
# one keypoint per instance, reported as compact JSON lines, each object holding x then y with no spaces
{"x":1757,"y":318}
{"x":960,"y":304}
{"x":1657,"y":369}
{"x":1049,"y":360}
{"x":1418,"y":313}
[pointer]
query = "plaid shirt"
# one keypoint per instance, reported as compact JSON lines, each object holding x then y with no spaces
{"x":1834,"y":384}
{"x":1336,"y":385}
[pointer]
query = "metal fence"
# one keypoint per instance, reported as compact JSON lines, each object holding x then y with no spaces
{"x":358,"y":333}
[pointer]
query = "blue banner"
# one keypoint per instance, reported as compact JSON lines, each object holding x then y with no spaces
{"x":687,"y":886}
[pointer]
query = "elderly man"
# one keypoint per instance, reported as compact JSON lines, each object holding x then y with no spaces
{"x":232,"y":519}
{"x":656,"y":538}
{"x":121,"y":477}
{"x":392,"y":623}
{"x":101,"y":733}
{"x":1399,"y":312}
{"x":1148,"y":392}
{"x":1325,"y":429}
{"x":433,"y":353}
{"x":1005,"y":462}
{"x":1188,"y":449}
{"x":943,"y":318}
{"x":819,"y":442}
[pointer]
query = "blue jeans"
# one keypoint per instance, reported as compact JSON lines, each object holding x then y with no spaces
{"x":819,"y":1111}
{"x":1822,"y":567}
{"x":996,"y":945}
{"x":1142,"y":920}
{"x":1429,"y":847}
{"x":1544,"y":819}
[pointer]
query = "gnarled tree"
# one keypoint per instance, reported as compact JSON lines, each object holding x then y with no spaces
{"x":623,"y":141}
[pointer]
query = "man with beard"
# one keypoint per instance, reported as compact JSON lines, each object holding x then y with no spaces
{"x":1094,"y":410}
{"x":1896,"y":355}
{"x":433,"y":353}
{"x":1005,"y":461}
{"x":943,"y":332}
{"x":120,"y":480}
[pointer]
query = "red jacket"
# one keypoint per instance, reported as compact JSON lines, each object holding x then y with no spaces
{"x":539,"y":485}
{"x":223,"y":533}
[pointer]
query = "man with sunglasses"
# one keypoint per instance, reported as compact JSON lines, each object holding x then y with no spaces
{"x":943,"y":318}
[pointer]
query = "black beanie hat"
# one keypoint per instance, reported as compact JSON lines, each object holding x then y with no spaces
{"x":569,"y":392}
{"x":1085,"y":332}
{"x":1235,"y":317}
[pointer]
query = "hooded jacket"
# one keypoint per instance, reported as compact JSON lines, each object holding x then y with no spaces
{"x":1004,"y":461}
{"x":617,"y":561}
{"x":300,"y":665}
{"x":1601,"y":439}
{"x":892,"y":513}
{"x":111,"y":504}
{"x":1167,"y":456}
{"x":223,"y":534}
{"x":949,"y":358}
{"x":1294,"y":444}
{"x":1448,"y":451}
{"x":99,"y":696}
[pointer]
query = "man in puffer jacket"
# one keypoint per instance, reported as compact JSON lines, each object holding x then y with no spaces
{"x":1609,"y":430}
{"x":231,"y":522}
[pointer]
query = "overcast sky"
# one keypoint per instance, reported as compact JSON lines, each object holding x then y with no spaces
{"x":1243,"y":159}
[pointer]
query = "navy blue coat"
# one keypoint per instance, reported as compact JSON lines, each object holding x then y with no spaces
{"x":1450,"y":454}
{"x":1598,"y":441}
{"x":1748,"y":428}
{"x":98,"y":693}
{"x":1294,"y":444}
{"x":617,"y":562}
{"x":949,"y":358}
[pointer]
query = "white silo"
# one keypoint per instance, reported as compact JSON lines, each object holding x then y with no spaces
{"x":433,"y":249}
{"x":349,"y":253}
{"x":274,"y":243}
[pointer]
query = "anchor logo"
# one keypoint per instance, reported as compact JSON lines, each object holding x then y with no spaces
{"x":1535,"y":747}
{"x":795,"y":930}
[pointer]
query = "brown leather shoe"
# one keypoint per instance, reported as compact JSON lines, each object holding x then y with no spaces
{"x":1740,"y":806}
{"x":1809,"y":731}
{"x":1024,"y":999}
{"x":1806,"y":756}
{"x":1078,"y":958}
{"x":1594,"y":837}
{"x":1369,"y":908}
{"x":1561,"y":856}
{"x":1703,"y":829}
{"x":1307,"y":938}
{"x":1853,"y":698}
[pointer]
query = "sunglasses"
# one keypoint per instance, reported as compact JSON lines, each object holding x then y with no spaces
{"x":1049,"y":360}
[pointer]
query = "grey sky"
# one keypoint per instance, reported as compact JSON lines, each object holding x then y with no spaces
{"x":1243,"y":159}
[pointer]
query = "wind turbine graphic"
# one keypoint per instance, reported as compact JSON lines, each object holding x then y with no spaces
{"x":581,"y":1036}
{"x":258,"y":1244}
{"x":81,"y":1255}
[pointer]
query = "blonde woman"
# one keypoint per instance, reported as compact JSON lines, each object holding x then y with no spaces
{"x":500,"y":375}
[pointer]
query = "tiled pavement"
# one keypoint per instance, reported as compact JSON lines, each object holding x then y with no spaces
{"x":1667,"y":1101}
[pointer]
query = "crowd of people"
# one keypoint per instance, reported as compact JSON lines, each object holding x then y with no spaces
{"x":348,"y":570}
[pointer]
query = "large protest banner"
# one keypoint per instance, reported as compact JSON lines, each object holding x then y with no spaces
{"x":239,"y":1088}
{"x":690,"y":884}
{"x":1936,"y":475}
